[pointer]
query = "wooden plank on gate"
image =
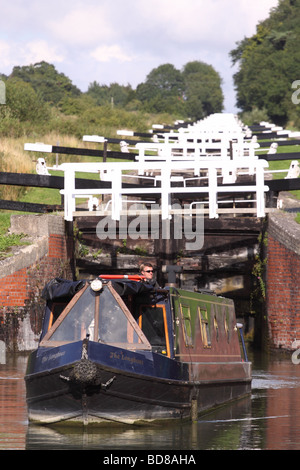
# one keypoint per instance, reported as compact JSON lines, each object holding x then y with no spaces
{"x":28,"y":179}
{"x":288,"y":184}
{"x":28,"y":206}
{"x":280,"y":156}
{"x":92,"y":152}
{"x":56,"y":182}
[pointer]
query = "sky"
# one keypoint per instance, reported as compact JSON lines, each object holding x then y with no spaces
{"x":122,"y":41}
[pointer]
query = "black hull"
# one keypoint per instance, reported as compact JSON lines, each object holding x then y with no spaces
{"x":123,"y":398}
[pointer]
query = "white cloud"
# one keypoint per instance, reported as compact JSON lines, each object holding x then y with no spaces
{"x":259,"y":12}
{"x":5,"y":54}
{"x":89,"y":39}
{"x":84,"y":25}
{"x":27,"y":53}
{"x":108,"y":53}
{"x":214,"y":22}
{"x":36,"y":51}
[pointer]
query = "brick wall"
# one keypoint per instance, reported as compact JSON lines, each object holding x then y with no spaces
{"x":13,"y":289}
{"x":283,"y":281}
{"x":23,"y":276}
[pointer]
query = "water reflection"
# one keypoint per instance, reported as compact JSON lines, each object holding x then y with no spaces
{"x":269,"y":419}
{"x":279,"y":387}
{"x":193,"y":436}
{"x":13,"y":414}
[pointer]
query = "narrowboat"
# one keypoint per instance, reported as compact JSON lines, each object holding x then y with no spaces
{"x":116,"y":350}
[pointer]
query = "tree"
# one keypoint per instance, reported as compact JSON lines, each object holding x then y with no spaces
{"x":70,"y":105}
{"x":24,"y":102}
{"x":114,"y":94}
{"x":269,"y":62}
{"x":165,"y":79}
{"x":162,"y":90}
{"x":194,"y":92}
{"x":202,"y":90}
{"x":46,"y":81}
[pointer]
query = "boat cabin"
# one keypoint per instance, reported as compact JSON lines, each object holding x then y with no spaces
{"x":130,"y":314}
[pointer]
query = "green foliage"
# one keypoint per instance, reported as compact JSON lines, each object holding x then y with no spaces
{"x":269,"y":62}
{"x":10,"y":126}
{"x":4,"y":222}
{"x":51,"y":86}
{"x":162,"y":82}
{"x":202,"y":90}
{"x":104,"y":120}
{"x":254,"y":116}
{"x":114,"y":94}
{"x":70,"y":105}
{"x":7,"y":241}
{"x":258,"y":295}
{"x":195,"y":92}
{"x":23,"y":102}
{"x":40,"y":100}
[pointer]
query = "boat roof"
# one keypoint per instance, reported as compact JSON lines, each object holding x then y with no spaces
{"x":59,"y":288}
{"x":65,"y":289}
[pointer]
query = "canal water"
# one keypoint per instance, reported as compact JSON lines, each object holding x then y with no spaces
{"x":268,"y":420}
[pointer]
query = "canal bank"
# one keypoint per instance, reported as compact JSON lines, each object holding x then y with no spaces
{"x":233,"y":250}
{"x":48,"y":253}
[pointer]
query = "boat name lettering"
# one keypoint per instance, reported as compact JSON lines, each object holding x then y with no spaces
{"x":53,"y":356}
{"x":122,"y":357}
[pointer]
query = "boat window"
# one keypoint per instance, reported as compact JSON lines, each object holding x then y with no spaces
{"x":116,"y":325}
{"x":153,"y":322}
{"x":205,"y":332}
{"x":187,"y":326}
{"x":226,"y":328}
{"x":216,"y":326}
{"x":78,"y":322}
{"x":56,"y":310}
{"x":103,"y":316}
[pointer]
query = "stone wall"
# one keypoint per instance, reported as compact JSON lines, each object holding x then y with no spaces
{"x":23,"y":275}
{"x":283,"y":281}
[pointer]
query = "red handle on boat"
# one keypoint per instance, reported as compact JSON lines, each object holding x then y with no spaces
{"x":133,"y":277}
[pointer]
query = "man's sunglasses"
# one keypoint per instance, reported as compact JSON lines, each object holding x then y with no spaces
{"x":149,"y":271}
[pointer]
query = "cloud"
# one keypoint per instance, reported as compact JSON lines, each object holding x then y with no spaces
{"x":5,"y":54}
{"x":208,"y":24}
{"x":116,"y":41}
{"x":28,"y":53}
{"x":83,"y":25}
{"x":39,"y":50}
{"x":108,"y":53}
